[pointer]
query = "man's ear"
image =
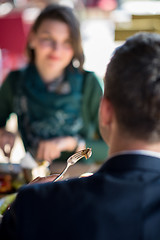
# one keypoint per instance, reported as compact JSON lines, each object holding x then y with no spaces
{"x":105,"y":112}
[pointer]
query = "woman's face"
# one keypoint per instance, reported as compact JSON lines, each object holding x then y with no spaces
{"x":52,"y":46}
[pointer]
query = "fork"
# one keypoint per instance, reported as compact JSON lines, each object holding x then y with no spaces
{"x":73,"y":159}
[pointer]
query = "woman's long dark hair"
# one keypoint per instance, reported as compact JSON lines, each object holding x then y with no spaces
{"x":64,"y":14}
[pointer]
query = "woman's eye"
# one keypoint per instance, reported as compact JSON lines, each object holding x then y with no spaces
{"x":67,"y":44}
{"x":45,"y":40}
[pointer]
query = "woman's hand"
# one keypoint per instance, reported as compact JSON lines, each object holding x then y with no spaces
{"x":51,"y":149}
{"x":7,"y":140}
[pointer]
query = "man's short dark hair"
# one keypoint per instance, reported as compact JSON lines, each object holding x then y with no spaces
{"x":132,"y":84}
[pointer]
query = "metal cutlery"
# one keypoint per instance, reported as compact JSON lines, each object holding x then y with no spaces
{"x":73,"y":159}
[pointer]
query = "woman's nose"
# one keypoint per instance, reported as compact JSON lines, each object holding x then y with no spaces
{"x":56,"y":45}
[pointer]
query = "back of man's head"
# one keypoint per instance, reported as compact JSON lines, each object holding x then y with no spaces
{"x":132,"y":84}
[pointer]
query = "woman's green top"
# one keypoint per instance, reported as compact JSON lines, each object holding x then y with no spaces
{"x":66,"y":107}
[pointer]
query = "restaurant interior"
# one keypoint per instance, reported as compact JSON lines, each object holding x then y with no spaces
{"x":104,"y":27}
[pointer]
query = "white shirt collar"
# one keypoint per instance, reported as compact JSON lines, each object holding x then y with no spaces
{"x":141,"y":152}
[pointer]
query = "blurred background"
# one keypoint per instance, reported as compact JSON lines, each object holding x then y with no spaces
{"x":105,"y":24}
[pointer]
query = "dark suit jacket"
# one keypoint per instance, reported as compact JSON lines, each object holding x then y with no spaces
{"x":119,"y":202}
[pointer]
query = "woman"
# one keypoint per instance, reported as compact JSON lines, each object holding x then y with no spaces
{"x":55,"y":99}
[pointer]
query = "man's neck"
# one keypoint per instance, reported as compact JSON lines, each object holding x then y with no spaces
{"x":124,"y":144}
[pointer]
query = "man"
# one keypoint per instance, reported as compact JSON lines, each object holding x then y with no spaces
{"x":122,"y":199}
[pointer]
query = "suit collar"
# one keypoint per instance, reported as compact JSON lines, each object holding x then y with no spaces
{"x":132,"y":161}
